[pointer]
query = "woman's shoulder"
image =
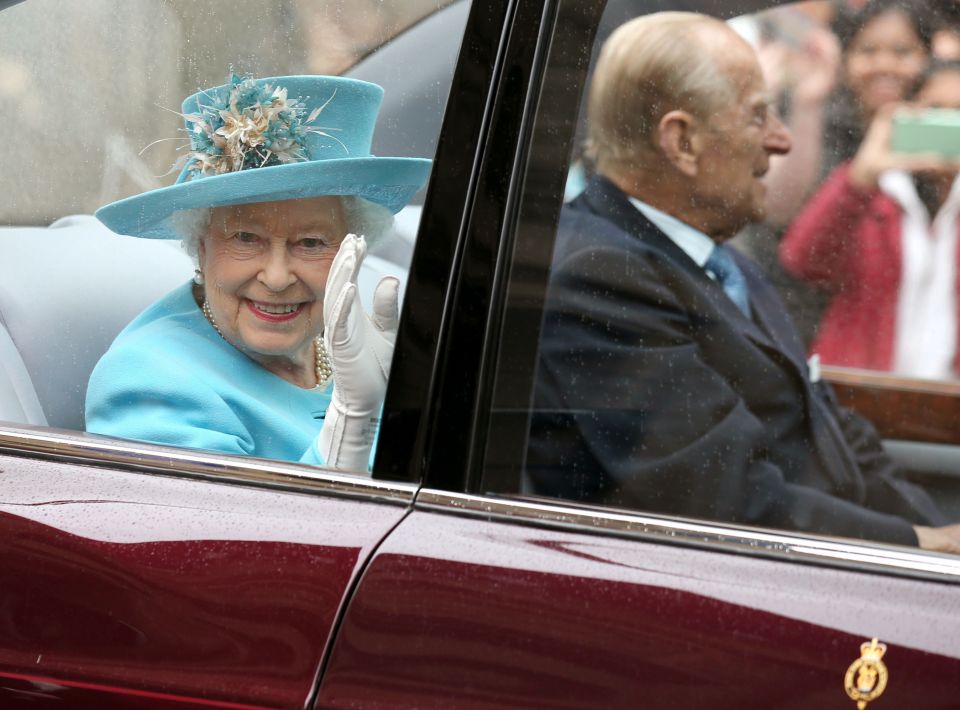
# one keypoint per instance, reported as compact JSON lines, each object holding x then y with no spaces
{"x":173,"y":320}
{"x":169,"y":334}
{"x":177,"y":308}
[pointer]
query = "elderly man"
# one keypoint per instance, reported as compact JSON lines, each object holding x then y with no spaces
{"x":670,"y":377}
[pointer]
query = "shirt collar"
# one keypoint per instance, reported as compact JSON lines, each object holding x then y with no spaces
{"x":899,"y":185}
{"x":694,"y":243}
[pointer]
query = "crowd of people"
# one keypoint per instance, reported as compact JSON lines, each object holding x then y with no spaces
{"x":670,"y":376}
{"x":267,"y":351}
{"x":861,"y":240}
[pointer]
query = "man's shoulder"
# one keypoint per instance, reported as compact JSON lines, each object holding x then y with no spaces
{"x":580,"y":225}
{"x":590,"y":225}
{"x":601,"y":217}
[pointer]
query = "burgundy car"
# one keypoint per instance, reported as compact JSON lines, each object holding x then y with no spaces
{"x":142,"y":576}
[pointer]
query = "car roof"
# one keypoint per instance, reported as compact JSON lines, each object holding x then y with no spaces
{"x":412,"y":110}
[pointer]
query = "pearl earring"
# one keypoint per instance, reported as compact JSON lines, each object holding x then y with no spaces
{"x":198,"y":277}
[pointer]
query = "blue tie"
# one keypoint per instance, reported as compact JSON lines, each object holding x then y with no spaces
{"x":728,"y":274}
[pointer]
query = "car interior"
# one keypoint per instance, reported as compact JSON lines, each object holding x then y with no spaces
{"x":58,"y":316}
{"x":153,"y":575}
{"x":82,"y":299}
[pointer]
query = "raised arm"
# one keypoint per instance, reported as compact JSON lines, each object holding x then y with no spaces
{"x":821,"y":240}
{"x":809,"y":74}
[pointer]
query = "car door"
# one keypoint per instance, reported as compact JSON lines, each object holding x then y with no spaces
{"x":146,"y":577}
{"x":487,"y":596}
{"x":138,"y":575}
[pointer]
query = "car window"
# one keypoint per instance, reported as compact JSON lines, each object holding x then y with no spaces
{"x":858,"y":304}
{"x":639,"y":365}
{"x":97,"y":122}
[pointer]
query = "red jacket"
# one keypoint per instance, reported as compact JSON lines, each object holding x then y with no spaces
{"x":848,"y":242}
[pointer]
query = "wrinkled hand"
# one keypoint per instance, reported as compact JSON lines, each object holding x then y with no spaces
{"x":808,"y":72}
{"x":360,"y":348}
{"x":774,"y":60}
{"x":817,"y":67}
{"x":943,"y":539}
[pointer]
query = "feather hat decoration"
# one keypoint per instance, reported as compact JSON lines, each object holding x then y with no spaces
{"x":279,"y":138}
{"x":256,"y":126}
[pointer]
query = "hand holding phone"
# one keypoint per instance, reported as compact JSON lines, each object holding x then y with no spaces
{"x":907,"y":138}
{"x":934,"y":131}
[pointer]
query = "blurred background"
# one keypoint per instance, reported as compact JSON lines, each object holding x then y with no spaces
{"x":81,"y":105}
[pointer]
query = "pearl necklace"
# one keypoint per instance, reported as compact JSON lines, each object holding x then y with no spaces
{"x":322,"y":365}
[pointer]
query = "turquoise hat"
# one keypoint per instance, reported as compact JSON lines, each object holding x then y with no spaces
{"x":265,"y":140}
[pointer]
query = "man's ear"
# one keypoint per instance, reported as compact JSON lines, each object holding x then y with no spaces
{"x":679,"y":141}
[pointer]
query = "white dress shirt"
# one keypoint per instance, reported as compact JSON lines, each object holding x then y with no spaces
{"x":926,"y":330}
{"x":694,"y":243}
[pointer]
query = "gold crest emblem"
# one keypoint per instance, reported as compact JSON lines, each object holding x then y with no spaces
{"x":866,"y":678}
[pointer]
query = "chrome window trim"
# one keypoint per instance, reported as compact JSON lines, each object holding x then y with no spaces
{"x":784,"y":546}
{"x":86,"y":449}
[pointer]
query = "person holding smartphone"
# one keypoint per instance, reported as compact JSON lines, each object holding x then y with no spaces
{"x":881,"y":236}
{"x":835,"y":80}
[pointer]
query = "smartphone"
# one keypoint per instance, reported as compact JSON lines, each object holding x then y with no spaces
{"x":932,"y":130}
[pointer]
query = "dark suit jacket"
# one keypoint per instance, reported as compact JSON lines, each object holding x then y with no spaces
{"x":655,"y":392}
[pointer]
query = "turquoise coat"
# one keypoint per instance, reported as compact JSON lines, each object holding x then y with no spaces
{"x":169,"y":378}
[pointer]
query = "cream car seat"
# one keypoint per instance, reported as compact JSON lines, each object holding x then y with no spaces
{"x":68,"y":289}
{"x":65,"y":293}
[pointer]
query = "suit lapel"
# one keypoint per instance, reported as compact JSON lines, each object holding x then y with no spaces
{"x":827,"y":436}
{"x":607,"y":200}
{"x":773,"y":321}
{"x":770,"y":328}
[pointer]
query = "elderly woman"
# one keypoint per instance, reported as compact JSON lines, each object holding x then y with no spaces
{"x":278,"y":183}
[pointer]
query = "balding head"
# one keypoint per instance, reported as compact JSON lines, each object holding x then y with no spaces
{"x":650,"y":66}
{"x":680,"y":118}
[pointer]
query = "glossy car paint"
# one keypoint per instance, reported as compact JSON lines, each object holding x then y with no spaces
{"x":120,"y":588}
{"x":432,"y":384}
{"x":123,"y":589}
{"x":464,"y":612}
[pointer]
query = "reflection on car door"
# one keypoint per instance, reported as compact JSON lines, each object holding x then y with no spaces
{"x":123,"y":588}
{"x":482,"y":600}
{"x":530,"y":610}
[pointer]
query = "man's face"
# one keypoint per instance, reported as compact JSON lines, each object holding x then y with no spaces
{"x":735,"y":154}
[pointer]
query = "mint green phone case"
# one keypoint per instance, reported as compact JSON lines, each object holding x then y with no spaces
{"x":934,"y":130}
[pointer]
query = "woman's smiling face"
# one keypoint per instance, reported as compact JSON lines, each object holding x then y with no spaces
{"x":265,"y":267}
{"x":883,"y":60}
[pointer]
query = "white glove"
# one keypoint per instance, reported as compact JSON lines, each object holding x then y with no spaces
{"x":360,"y":348}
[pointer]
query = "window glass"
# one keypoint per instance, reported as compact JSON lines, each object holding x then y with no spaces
{"x":647,"y":361}
{"x":836,"y":74}
{"x":93,"y":122}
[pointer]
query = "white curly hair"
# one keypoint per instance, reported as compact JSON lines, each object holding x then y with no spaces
{"x":362,"y":217}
